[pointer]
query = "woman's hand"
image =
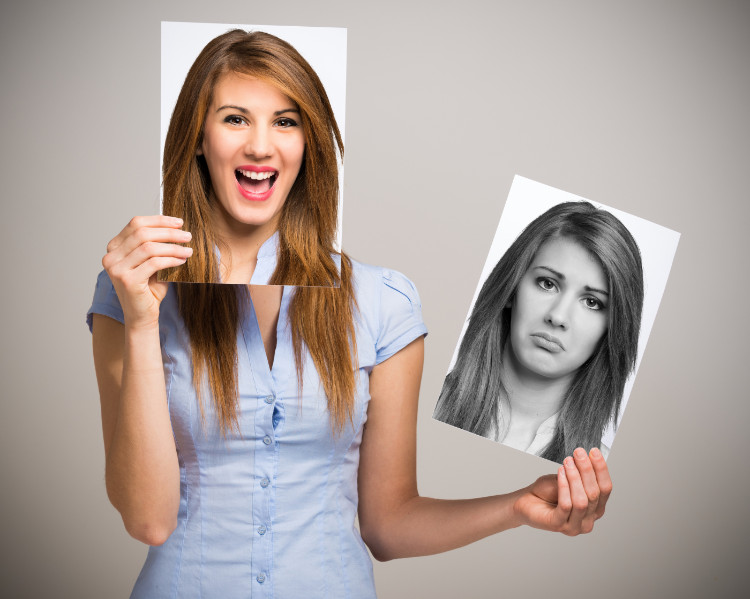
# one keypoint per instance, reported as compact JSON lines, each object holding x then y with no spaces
{"x":142,"y":473}
{"x":571,"y":501}
{"x":146,"y":245}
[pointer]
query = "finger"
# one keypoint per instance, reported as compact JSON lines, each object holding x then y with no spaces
{"x":155,"y":249}
{"x":588,"y":478}
{"x":579,"y":501}
{"x":137,"y":222}
{"x":138,"y":229}
{"x":127,"y":271}
{"x":147,"y":269}
{"x":564,"y":502}
{"x":603,"y":479}
{"x":141,"y":236}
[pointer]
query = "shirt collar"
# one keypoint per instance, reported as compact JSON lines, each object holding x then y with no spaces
{"x":544,"y":434}
{"x":266,"y":264}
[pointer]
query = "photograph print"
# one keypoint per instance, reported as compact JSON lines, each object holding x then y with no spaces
{"x":252,"y":140}
{"x":558,"y":325}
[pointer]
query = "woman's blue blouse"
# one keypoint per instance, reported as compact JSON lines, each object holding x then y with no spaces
{"x":269,"y":511}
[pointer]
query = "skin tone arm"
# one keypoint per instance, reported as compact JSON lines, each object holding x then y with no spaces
{"x":142,"y":472}
{"x":395,"y":521}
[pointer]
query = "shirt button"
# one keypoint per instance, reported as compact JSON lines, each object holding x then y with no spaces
{"x":264,"y":482}
{"x":261,"y":578}
{"x":268,"y":399}
{"x":262,"y":529}
{"x":267,"y":440}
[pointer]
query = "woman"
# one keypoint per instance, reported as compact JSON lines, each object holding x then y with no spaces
{"x":233,"y":421}
{"x":553,"y":336}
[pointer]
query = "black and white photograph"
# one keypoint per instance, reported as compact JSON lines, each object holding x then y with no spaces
{"x":558,"y":324}
{"x":236,"y":126}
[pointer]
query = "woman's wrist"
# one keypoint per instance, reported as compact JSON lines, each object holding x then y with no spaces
{"x":513,"y":516}
{"x":142,"y":345}
{"x":140,"y":328}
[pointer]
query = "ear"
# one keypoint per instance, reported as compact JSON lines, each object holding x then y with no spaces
{"x":509,"y":303}
{"x":199,"y":151}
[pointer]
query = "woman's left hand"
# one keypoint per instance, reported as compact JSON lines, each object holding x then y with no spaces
{"x":571,"y":501}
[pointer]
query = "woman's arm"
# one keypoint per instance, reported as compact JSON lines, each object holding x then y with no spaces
{"x":142,"y":473}
{"x":396,"y":522}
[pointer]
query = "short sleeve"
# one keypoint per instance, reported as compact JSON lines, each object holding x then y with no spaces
{"x":400,"y":315}
{"x":105,"y":300}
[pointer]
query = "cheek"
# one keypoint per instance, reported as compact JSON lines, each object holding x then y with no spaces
{"x":217,"y":148}
{"x":527,"y":306}
{"x":295,"y":152}
{"x":592,"y":334}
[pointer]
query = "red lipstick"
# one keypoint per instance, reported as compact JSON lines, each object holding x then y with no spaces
{"x":250,"y":176}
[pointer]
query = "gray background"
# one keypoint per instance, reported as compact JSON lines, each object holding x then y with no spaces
{"x":639,"y":105}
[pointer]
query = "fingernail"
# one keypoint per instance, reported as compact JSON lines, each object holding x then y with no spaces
{"x":175,"y":220}
{"x":579,"y":453}
{"x":595,"y":453}
{"x":568,"y":461}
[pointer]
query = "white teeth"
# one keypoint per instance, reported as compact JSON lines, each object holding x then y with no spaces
{"x":257,"y":176}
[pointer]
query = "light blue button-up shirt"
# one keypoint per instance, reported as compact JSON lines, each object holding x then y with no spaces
{"x":269,"y":511}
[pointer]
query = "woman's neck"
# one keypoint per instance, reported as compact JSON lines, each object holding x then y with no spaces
{"x":239,"y":246}
{"x":532,"y":399}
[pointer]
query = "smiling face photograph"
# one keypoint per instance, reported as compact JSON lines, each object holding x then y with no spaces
{"x":252,"y":152}
{"x":553,"y":335}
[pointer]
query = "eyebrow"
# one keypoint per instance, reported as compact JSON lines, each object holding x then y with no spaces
{"x":246,"y":111}
{"x":561,"y":276}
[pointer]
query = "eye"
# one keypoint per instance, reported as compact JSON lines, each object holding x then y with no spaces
{"x":234,"y":119}
{"x":546,"y":283}
{"x":593,"y":303}
{"x":286,"y":122}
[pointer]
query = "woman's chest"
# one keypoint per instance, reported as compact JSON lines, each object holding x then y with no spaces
{"x":275,"y":410}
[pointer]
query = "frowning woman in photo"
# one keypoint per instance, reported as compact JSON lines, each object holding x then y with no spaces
{"x":552,"y":337}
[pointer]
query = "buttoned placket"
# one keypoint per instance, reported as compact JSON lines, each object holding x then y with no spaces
{"x":266,"y":459}
{"x":263,"y":494}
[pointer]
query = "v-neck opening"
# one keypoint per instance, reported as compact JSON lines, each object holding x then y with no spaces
{"x":254,"y":349}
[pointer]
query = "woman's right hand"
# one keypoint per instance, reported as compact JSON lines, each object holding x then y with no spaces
{"x":146,"y":245}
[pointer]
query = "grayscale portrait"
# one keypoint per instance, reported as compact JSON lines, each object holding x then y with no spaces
{"x":252,"y":154}
{"x":554,"y":333}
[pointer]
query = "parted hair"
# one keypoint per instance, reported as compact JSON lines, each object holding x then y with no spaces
{"x":474,"y":397}
{"x":321,"y":311}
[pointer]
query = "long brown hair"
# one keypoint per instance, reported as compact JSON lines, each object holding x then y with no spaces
{"x":321,"y":312}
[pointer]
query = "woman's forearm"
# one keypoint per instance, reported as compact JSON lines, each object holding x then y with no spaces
{"x":425,"y":526}
{"x":142,"y":472}
{"x":569,"y":502}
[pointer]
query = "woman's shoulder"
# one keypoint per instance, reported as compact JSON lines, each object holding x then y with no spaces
{"x":105,"y":300}
{"x":388,"y":307}
{"x":378,"y":281}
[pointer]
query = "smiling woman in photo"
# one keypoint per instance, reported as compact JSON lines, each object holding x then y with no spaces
{"x":247,"y":427}
{"x":552,"y":337}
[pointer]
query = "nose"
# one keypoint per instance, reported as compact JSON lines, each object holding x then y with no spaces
{"x":258,"y":144}
{"x":558,"y":313}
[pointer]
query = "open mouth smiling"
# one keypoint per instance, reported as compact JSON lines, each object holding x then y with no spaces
{"x":256,"y":184}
